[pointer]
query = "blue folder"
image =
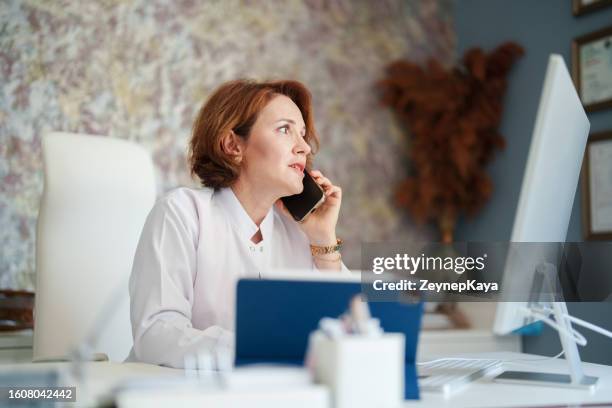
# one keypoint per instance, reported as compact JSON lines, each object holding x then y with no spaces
{"x":275,"y":317}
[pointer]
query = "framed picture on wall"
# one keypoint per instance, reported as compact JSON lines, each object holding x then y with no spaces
{"x":592,"y":68}
{"x":580,"y":7}
{"x":597,"y":187}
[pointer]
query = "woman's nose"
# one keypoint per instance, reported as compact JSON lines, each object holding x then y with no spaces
{"x":302,"y":146}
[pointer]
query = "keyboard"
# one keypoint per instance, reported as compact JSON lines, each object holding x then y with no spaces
{"x":449,"y":376}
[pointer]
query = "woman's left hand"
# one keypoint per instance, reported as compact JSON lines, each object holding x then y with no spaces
{"x":320,"y":225}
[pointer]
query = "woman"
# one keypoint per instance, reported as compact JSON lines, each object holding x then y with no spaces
{"x":251,"y":143}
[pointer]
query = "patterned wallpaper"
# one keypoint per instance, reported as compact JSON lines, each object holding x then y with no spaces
{"x":139,"y":70}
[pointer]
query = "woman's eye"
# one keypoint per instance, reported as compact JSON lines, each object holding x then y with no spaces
{"x":284,"y":129}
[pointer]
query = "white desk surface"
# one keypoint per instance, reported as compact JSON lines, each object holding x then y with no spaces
{"x":486,"y":393}
{"x":102,"y":376}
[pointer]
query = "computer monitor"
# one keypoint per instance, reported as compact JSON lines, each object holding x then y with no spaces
{"x":543,"y":213}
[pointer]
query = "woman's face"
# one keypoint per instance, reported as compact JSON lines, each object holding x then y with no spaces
{"x":275,"y":152}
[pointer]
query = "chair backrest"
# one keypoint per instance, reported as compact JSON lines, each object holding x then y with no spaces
{"x":97,"y":194}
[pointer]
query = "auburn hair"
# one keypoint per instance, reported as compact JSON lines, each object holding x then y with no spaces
{"x":235,"y":106}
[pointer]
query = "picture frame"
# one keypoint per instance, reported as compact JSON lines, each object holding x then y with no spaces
{"x":597,"y":187}
{"x":592,"y":69}
{"x":580,"y":7}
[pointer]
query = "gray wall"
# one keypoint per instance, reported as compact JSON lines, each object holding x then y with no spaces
{"x":541,"y":27}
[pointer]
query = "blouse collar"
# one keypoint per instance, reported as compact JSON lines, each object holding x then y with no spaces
{"x":240,"y":218}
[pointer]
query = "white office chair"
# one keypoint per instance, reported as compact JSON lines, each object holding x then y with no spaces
{"x":97,"y":194}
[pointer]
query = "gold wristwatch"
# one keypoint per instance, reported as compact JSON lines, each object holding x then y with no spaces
{"x":324,"y":250}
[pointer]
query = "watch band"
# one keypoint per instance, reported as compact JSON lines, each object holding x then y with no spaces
{"x":324,"y":250}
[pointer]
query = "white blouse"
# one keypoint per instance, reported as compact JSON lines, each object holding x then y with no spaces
{"x":195,"y":245}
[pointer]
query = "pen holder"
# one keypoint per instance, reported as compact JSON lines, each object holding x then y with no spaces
{"x":360,"y":370}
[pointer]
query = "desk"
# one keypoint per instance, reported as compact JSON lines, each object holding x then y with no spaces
{"x":17,"y":347}
{"x":486,"y":393}
{"x":482,"y":393}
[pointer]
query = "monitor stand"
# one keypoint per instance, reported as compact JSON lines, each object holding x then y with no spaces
{"x":575,"y":378}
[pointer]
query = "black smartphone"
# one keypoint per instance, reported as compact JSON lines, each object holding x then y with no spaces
{"x":301,"y":205}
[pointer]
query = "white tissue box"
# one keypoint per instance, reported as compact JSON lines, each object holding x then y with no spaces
{"x":360,"y":371}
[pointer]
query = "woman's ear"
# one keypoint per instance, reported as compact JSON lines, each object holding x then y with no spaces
{"x":233,"y":146}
